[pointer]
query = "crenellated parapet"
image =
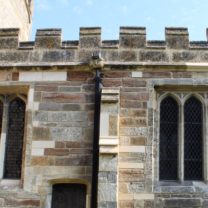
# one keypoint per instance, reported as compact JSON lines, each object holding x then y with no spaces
{"x":132,"y":48}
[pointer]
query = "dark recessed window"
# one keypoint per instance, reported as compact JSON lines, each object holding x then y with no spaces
{"x":181,"y":140}
{"x":168,"y":139}
{"x":14,"y":141}
{"x":69,"y":196}
{"x":193,"y":139}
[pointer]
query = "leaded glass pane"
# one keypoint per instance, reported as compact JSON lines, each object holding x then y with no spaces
{"x":15,"y":133}
{"x":193,"y":139}
{"x":168,"y":167}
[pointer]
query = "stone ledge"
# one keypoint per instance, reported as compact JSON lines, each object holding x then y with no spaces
{"x":108,"y":150}
{"x":110,"y":95}
{"x":108,"y":141}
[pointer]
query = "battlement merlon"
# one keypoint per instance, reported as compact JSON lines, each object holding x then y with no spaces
{"x":131,"y":48}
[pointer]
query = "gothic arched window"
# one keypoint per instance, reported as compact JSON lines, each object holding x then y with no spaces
{"x":168,"y":139}
{"x":193,"y":151}
{"x":14,"y":142}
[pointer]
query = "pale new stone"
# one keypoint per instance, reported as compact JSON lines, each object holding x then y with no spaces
{"x":35,"y":123}
{"x":110,"y":95}
{"x":108,"y":150}
{"x":110,"y":91}
{"x":43,"y":144}
{"x":31,"y":95}
{"x":37,"y":152}
{"x":36,"y":105}
{"x":30,"y":76}
{"x":12,"y":182}
{"x":140,"y":149}
{"x":126,"y":197}
{"x":137,"y":74}
{"x":104,"y":124}
{"x":48,"y":201}
{"x":108,"y":141}
{"x":196,"y":64}
{"x":54,"y":76}
{"x":124,"y":165}
{"x":2,"y":153}
{"x":144,"y":196}
{"x":42,"y":76}
{"x":30,"y":99}
{"x":109,"y":137}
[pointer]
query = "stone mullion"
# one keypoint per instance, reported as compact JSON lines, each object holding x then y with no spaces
{"x":181,"y":144}
{"x":3,"y":138}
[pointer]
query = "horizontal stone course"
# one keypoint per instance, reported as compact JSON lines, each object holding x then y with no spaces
{"x":74,"y":160}
{"x":64,"y":97}
{"x":131,"y":175}
{"x":132,"y":47}
{"x":56,"y":152}
{"x":189,"y":203}
{"x":141,"y":96}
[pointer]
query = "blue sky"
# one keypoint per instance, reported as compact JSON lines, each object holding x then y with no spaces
{"x":155,"y":15}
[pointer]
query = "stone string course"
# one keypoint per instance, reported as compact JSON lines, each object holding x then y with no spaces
{"x":58,"y":82}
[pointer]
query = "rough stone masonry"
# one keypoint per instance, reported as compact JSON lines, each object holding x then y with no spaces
{"x":57,"y":82}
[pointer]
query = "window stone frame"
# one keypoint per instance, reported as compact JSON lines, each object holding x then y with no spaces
{"x":180,"y":96}
{"x":6,"y":99}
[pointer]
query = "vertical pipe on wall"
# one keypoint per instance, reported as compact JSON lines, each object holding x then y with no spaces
{"x":95,"y":165}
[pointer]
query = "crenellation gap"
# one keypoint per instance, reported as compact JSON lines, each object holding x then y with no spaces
{"x":156,"y":44}
{"x":26,"y":45}
{"x":70,"y":44}
{"x":199,"y":44}
{"x":110,"y":43}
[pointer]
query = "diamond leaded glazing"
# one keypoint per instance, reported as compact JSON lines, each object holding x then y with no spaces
{"x":193,"y":139}
{"x":13,"y":157}
{"x":168,"y":139}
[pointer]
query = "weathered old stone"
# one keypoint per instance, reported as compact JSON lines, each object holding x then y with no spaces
{"x":132,"y":37}
{"x":56,"y":152}
{"x":57,"y":83}
{"x":40,"y":133}
{"x":66,"y":134}
{"x":48,"y":38}
{"x":182,"y":202}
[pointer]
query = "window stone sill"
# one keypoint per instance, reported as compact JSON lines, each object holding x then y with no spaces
{"x":186,"y":187}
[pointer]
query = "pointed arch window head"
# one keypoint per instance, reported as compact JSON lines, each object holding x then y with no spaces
{"x":168,"y":139}
{"x":14,"y":143}
{"x":181,"y":139}
{"x":193,"y":139}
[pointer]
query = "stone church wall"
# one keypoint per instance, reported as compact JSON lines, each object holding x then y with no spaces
{"x":58,"y":80}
